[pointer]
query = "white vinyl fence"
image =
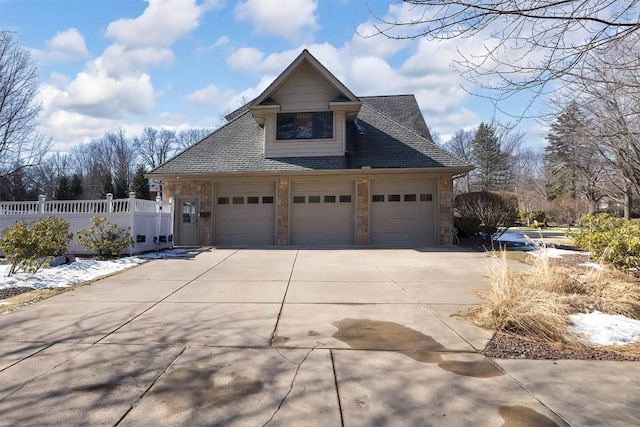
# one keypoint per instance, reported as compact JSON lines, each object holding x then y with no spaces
{"x":149,"y":222}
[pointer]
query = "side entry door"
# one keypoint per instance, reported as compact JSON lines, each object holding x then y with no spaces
{"x":188,"y":222}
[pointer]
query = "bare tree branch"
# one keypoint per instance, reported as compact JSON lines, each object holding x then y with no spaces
{"x":527,"y":43}
{"x":20,"y":143}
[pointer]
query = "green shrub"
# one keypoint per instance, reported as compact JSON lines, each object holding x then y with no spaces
{"x":105,"y":238}
{"x":492,"y":209}
{"x":30,"y":247}
{"x":611,"y":240}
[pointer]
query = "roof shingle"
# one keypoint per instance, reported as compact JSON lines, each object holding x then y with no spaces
{"x":389,"y":132}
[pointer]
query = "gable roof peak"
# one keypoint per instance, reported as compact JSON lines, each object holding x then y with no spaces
{"x":305,"y":57}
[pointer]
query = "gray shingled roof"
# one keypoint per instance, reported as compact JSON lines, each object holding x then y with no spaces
{"x":403,"y":108}
{"x":389,"y":132}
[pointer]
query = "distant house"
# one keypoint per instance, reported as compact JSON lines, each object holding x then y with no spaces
{"x":309,"y":163}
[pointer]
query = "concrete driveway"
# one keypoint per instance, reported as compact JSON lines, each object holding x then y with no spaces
{"x":288,"y":337}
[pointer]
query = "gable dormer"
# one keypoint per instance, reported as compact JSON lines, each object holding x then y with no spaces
{"x":304,"y":111}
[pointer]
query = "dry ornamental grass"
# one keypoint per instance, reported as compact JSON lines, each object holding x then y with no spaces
{"x":536,"y":304}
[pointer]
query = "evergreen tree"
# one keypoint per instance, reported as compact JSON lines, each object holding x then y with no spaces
{"x":76,"y":187}
{"x":107,"y":184}
{"x":140,"y":184}
{"x":121,"y":188}
{"x":63,"y":190}
{"x":562,"y":155}
{"x":491,"y":162}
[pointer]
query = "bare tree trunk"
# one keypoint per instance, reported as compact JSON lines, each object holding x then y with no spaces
{"x":627,"y":203}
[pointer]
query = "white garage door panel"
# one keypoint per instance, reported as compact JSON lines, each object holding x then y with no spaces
{"x":405,"y":222}
{"x":324,"y":223}
{"x":245,"y":223}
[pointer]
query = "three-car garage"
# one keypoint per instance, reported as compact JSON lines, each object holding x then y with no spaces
{"x":401,"y":212}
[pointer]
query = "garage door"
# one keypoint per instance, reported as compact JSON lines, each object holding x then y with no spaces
{"x":245,"y":214}
{"x":322,"y":213}
{"x":403,"y":212}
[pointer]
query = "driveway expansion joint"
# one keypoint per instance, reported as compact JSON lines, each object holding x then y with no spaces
{"x":337,"y":387}
{"x":284,"y":298}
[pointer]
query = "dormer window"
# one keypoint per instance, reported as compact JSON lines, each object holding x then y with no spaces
{"x":317,"y":125}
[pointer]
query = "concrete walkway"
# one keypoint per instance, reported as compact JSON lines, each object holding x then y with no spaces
{"x":288,"y":337}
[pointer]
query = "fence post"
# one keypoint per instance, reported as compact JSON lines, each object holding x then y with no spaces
{"x":171,"y":218}
{"x":132,"y":219}
{"x":109,"y":203}
{"x":41,"y":200}
{"x":159,"y":228}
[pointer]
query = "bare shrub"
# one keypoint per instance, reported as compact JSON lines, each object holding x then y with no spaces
{"x":492,"y":209}
{"x":566,"y":211}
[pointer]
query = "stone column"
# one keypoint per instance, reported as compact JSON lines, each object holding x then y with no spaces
{"x":362,"y":211}
{"x":282,"y":212}
{"x":445,"y":199}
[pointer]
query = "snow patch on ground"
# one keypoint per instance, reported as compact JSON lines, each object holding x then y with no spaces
{"x":83,"y":270}
{"x":513,"y":237}
{"x":62,"y":276}
{"x":605,"y":329}
{"x":554,"y":252}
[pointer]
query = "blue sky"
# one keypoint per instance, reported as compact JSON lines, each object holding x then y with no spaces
{"x":185,"y":63}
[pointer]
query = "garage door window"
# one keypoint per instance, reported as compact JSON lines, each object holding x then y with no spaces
{"x":377,"y":198}
{"x":426,"y":197}
{"x":314,"y":199}
{"x":329,"y":199}
{"x":410,"y":198}
{"x":345,"y":199}
{"x":394,"y":197}
{"x":240,"y":200}
{"x":298,"y":199}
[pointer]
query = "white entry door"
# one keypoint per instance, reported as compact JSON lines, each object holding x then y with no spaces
{"x":188,"y":222}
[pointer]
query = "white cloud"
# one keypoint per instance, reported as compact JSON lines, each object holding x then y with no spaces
{"x":68,"y":128}
{"x":289,"y":19}
{"x":161,"y":24}
{"x":210,"y":96}
{"x":220,"y":42}
{"x":447,"y":124}
{"x":366,"y":42}
{"x":115,"y":87}
{"x":101,"y":96}
{"x":66,"y":46}
{"x":170,"y":120}
{"x":245,"y":59}
{"x":118,"y":61}
{"x":59,"y":80}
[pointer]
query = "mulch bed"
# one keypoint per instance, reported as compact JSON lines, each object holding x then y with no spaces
{"x":507,"y":346}
{"x":12,"y":292}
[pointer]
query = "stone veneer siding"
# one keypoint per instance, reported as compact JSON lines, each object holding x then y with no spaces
{"x":282,"y":212}
{"x":203,"y":190}
{"x":445,"y":198}
{"x":362,"y":211}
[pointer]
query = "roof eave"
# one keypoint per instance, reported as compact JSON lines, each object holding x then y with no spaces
{"x":312,"y":172}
